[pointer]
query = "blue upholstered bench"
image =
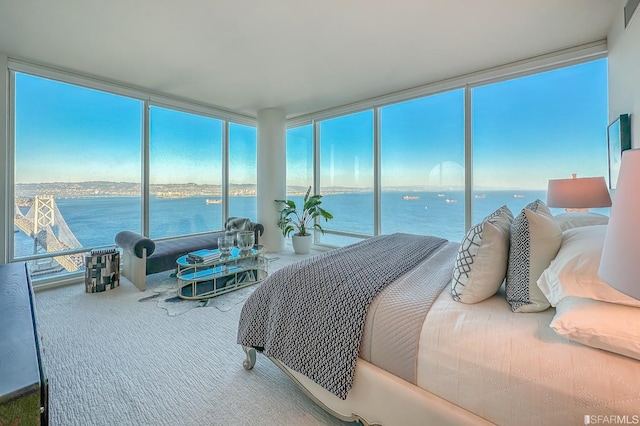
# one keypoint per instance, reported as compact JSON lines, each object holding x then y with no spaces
{"x":143,"y":256}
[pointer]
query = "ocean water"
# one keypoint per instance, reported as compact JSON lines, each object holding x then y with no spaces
{"x":426,"y":213}
{"x":96,"y":221}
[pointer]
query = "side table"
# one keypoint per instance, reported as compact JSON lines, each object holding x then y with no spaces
{"x":228,"y":273}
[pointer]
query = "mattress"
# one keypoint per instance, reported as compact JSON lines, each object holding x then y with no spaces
{"x":514,"y":369}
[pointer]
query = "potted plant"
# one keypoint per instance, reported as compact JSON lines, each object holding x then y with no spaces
{"x":300,"y":222}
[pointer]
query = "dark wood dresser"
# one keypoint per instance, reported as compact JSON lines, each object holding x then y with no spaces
{"x":23,"y":384}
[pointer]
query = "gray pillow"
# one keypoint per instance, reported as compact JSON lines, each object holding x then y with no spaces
{"x":235,"y":224}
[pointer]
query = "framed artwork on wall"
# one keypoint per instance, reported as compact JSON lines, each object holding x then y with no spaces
{"x":618,"y":139}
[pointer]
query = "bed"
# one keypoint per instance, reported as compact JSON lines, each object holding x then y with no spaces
{"x":521,"y":332}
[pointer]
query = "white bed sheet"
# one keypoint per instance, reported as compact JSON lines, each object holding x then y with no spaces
{"x":512,"y":368}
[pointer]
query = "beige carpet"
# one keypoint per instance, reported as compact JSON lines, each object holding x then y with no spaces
{"x":113,"y":360}
{"x":162,"y":291}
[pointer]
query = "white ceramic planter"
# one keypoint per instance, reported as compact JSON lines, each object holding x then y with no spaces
{"x":301,"y":245}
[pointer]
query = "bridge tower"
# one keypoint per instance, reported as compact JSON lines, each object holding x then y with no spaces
{"x":43,"y":213}
{"x":43,"y":219}
{"x":50,"y":232}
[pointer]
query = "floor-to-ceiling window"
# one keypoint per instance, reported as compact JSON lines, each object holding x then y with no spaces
{"x":422,"y":166}
{"x":185,"y":173}
{"x":299,"y":162}
{"x":76,"y":170}
{"x":522,"y":132}
{"x":242,"y":171}
{"x":78,"y":154}
{"x":299,"y":159}
{"x":79,"y":167}
{"x":531,"y":129}
{"x":346,"y":176}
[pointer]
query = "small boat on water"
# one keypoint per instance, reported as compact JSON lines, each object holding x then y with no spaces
{"x":440,"y":195}
{"x":214,"y":201}
{"x":450,"y":200}
{"x":411,"y":197}
{"x":481,"y":196}
{"x":518,"y":196}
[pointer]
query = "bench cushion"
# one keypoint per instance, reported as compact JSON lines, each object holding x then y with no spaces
{"x":169,"y":250}
{"x":135,"y":243}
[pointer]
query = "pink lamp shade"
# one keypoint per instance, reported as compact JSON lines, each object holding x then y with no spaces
{"x":578,"y":193}
{"x":620,"y":263}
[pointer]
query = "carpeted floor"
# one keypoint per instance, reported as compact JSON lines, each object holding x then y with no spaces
{"x":163,"y":288}
{"x":114,"y":360}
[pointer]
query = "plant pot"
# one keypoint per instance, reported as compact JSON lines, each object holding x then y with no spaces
{"x":302,"y":244}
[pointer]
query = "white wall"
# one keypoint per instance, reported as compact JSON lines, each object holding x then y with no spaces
{"x":624,"y":72}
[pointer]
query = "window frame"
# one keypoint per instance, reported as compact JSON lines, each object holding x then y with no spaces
{"x":148,"y":99}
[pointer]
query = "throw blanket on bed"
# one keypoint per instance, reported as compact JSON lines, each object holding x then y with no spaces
{"x":310,"y":315}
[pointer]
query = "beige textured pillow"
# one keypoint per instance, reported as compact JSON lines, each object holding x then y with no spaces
{"x":481,"y":263}
{"x":614,"y":328}
{"x":535,"y":240}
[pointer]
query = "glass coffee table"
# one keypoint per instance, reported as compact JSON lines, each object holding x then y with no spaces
{"x":209,"y":279}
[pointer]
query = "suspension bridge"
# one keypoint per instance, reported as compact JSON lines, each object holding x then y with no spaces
{"x":44,"y":223}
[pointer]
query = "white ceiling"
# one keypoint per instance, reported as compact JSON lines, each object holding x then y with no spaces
{"x":298,"y":55}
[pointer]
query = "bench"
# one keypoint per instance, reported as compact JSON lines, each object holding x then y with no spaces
{"x":143,"y":256}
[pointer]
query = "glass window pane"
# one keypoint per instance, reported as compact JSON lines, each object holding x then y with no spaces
{"x":531,"y":129}
{"x":77,"y":170}
{"x":242,"y":171}
{"x":346,"y":173}
{"x":185,"y":173}
{"x":422,"y":166}
{"x":299,"y":159}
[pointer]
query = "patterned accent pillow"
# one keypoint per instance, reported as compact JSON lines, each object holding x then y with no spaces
{"x":481,"y":263}
{"x":535,"y":241}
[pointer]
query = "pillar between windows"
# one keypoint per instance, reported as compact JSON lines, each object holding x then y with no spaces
{"x":271,"y":174}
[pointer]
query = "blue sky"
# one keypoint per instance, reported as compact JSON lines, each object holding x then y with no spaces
{"x":525,"y":131}
{"x":66,"y":133}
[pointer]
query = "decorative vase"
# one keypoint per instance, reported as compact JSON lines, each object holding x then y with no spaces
{"x":301,"y":243}
{"x":245,"y":240}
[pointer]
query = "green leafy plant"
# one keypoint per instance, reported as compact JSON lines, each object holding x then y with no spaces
{"x":299,"y":222}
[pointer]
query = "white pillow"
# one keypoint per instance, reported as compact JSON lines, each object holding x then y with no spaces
{"x":575,"y":219}
{"x":481,"y":263}
{"x":535,"y":240}
{"x":574,"y":271}
{"x":614,"y":328}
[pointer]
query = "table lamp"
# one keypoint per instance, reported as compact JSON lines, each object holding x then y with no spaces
{"x":578,"y":194}
{"x":620,"y":262}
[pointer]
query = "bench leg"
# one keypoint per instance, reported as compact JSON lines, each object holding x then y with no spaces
{"x":135,"y":269}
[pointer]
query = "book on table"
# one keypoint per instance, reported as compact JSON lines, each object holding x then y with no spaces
{"x":203,"y":256}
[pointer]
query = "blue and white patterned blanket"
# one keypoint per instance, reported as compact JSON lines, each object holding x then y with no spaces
{"x":310,"y":315}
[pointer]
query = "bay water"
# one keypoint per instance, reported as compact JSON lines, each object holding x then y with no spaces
{"x":95,"y":221}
